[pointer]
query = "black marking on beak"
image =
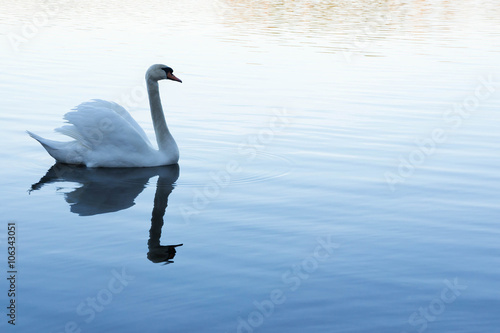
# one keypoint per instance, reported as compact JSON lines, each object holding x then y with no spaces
{"x":170,"y":74}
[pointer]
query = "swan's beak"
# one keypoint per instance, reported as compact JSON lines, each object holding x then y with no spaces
{"x":172,"y":77}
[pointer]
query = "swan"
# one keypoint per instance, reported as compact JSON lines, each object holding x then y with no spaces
{"x":106,"y":135}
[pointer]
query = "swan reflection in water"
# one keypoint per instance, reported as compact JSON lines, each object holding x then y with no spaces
{"x":106,"y":190}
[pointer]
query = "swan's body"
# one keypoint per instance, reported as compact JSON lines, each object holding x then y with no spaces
{"x":106,"y":135}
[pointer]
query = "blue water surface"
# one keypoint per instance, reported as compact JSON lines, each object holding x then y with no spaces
{"x":338,"y":172}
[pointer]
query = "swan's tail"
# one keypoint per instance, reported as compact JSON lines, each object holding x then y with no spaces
{"x":63,"y":152}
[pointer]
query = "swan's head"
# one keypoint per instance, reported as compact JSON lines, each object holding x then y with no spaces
{"x":161,"y":72}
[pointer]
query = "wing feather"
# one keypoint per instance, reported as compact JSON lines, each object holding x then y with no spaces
{"x":105,"y":135}
{"x":123,"y":113}
{"x":102,"y":123}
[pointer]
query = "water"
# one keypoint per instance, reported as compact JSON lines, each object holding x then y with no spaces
{"x":338,"y":173}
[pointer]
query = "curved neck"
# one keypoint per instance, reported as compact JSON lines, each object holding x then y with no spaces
{"x":163,"y":136}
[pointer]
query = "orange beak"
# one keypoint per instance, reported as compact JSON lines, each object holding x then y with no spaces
{"x":172,"y":77}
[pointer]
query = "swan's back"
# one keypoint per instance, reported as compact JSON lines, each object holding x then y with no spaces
{"x":105,"y":135}
{"x":100,"y":105}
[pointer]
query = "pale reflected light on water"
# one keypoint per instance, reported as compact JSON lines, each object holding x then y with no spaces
{"x":338,"y":171}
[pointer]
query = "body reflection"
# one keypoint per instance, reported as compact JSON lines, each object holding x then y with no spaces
{"x":106,"y":190}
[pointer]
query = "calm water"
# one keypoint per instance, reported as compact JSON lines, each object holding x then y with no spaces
{"x":338,"y":173}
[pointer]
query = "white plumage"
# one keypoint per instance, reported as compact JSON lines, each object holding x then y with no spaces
{"x":106,"y":135}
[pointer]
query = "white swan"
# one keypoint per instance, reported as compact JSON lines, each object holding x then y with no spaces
{"x":106,"y":135}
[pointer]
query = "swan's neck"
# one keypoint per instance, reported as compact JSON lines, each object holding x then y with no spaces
{"x":163,"y":136}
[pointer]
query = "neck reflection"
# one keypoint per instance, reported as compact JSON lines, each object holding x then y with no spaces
{"x":160,"y":253}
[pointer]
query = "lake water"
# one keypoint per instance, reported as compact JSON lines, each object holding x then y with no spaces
{"x":339,"y":167}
